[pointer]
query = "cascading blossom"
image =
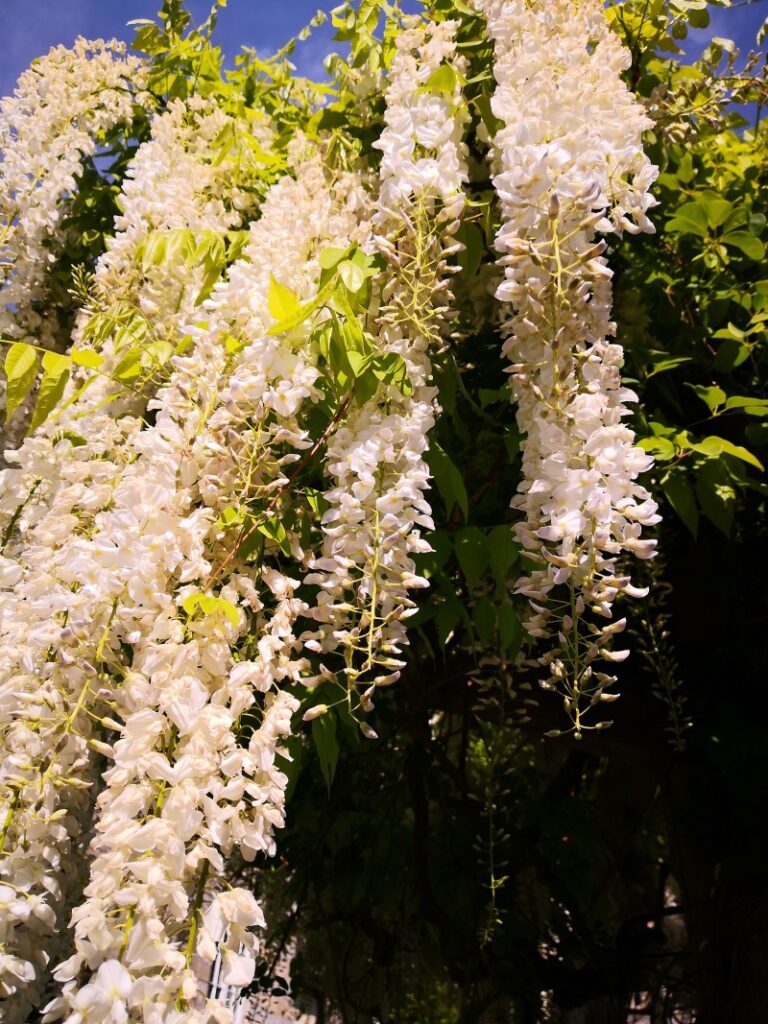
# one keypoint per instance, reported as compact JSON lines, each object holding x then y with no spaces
{"x":57,"y":654}
{"x":569,"y":165}
{"x":377,"y":505}
{"x":183,"y":793}
{"x":60,"y":110}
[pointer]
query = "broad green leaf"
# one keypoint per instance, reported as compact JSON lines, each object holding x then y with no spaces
{"x":358,"y":361}
{"x":713,"y":446}
{"x":157,"y":354}
{"x":661,"y":448}
{"x":331,"y":257}
{"x":274,"y":530}
{"x":731,"y":353}
{"x":302,"y":312}
{"x":207,"y":605}
{"x":747,"y":405}
{"x":351,"y":275}
{"x":447,"y":617}
{"x":472,"y":554}
{"x":129,"y":366}
{"x":282,"y":303}
{"x":470,"y":258}
{"x":390,"y":368}
{"x":87,"y":357}
{"x":443,"y":80}
{"x":503,"y":552}
{"x":55,"y":375}
{"x":448,"y":480}
{"x":718,"y":211}
{"x":745,"y":242}
{"x":152,"y":249}
{"x":679,"y":494}
{"x":327,"y":746}
{"x":491,"y":122}
{"x":689,"y":219}
{"x":484,"y":619}
{"x":20,"y":373}
{"x":712,"y":396}
{"x":76,"y":440}
{"x":510,"y":630}
{"x":716,"y":494}
{"x":366,"y":386}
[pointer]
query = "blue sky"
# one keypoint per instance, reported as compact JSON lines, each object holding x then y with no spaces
{"x":29,"y":28}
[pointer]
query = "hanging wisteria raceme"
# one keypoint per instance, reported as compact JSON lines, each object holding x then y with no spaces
{"x":569,"y":165}
{"x":377,"y":505}
{"x":59,"y":603}
{"x":180,"y":182}
{"x":183,"y":792}
{"x":59,"y":114}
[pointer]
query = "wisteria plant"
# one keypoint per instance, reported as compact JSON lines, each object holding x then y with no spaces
{"x":235,"y":305}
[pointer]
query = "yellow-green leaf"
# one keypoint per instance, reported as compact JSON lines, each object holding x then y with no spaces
{"x":55,"y":375}
{"x":20,"y":372}
{"x":442,"y":80}
{"x":283,"y":304}
{"x":87,"y":357}
{"x":352,"y":276}
{"x":714,"y":446}
{"x":301,"y":312}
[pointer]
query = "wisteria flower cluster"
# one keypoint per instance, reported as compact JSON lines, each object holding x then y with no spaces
{"x":569,"y":166}
{"x":59,"y":114}
{"x":222,"y":506}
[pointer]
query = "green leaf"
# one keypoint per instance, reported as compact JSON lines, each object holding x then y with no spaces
{"x":443,"y":80}
{"x":731,"y":353}
{"x":716,"y":494}
{"x":472,"y":554}
{"x":129,"y":366}
{"x":712,"y":396}
{"x":273,"y":529}
{"x":510,"y":630}
{"x":352,"y":276}
{"x":484,"y":619}
{"x":747,"y":405}
{"x":470,"y":258}
{"x":661,"y":448}
{"x":690,"y":219}
{"x":666,"y":363}
{"x":55,"y":376}
{"x":327,"y":746}
{"x":492,"y":123}
{"x":331,"y":256}
{"x":390,"y":368}
{"x":282,"y":303}
{"x":718,"y":211}
{"x":87,"y":357}
{"x":679,"y":494}
{"x":76,"y":440}
{"x":302,"y":311}
{"x":713,"y":447}
{"x":448,"y":480}
{"x":207,"y":605}
{"x":746,"y":242}
{"x":447,"y":617}
{"x":503,"y":552}
{"x":359,"y":362}
{"x":20,"y":372}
